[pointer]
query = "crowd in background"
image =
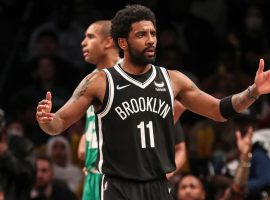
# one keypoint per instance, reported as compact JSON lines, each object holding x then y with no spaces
{"x":217,"y":43}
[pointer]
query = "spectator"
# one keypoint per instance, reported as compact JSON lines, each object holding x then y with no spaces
{"x":253,"y":38}
{"x":191,"y":187}
{"x":47,"y":45}
{"x":69,"y":32}
{"x":45,"y":187}
{"x":259,"y":180}
{"x":17,"y":167}
{"x":59,"y":149}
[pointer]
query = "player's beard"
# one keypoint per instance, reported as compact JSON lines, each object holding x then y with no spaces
{"x":139,"y":58}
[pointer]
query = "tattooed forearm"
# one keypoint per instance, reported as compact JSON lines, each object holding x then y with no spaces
{"x":82,"y":88}
{"x":241,"y":101}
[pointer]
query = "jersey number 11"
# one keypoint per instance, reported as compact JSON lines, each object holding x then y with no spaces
{"x":142,"y":128}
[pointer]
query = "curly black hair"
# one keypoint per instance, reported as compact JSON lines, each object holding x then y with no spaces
{"x":124,"y":18}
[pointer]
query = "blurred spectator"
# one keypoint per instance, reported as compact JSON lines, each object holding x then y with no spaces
{"x":45,"y":79}
{"x":228,"y":77}
{"x":259,"y":180}
{"x":239,"y":187}
{"x":45,"y":187}
{"x":47,"y":45}
{"x":22,"y":108}
{"x":258,"y":184}
{"x":167,"y":36}
{"x":214,"y":11}
{"x":59,"y":149}
{"x":253,"y":37}
{"x":69,"y":32}
{"x":17,"y":165}
{"x":191,"y":187}
{"x":200,"y":141}
{"x":23,"y":102}
{"x":197,"y":39}
{"x":171,"y":57}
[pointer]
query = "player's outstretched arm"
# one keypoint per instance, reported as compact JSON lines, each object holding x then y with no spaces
{"x":91,"y":89}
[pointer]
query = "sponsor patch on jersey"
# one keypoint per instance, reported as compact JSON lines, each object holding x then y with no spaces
{"x":159,"y":85}
{"x":160,"y":89}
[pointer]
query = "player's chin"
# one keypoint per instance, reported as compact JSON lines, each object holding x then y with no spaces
{"x":86,"y":59}
{"x":151,"y":59}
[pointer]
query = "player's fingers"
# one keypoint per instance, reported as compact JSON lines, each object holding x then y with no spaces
{"x":43,"y":102}
{"x":44,"y":117}
{"x":42,"y":107}
{"x":44,"y":114}
{"x":44,"y":120}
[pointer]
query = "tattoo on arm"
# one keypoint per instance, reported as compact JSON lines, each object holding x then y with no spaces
{"x":82,"y":88}
{"x":241,"y":101}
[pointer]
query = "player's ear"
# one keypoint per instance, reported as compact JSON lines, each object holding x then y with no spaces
{"x":122,"y":42}
{"x":109,"y":42}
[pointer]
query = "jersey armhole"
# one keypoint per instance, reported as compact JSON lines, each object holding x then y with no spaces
{"x":168,"y":82}
{"x":109,"y":94}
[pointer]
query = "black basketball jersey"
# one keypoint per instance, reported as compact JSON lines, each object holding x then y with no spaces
{"x":135,"y":127}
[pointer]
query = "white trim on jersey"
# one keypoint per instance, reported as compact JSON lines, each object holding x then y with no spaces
{"x":135,"y":82}
{"x":168,"y":81}
{"x":102,"y":188}
{"x":102,"y":114}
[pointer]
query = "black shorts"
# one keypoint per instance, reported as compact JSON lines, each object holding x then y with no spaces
{"x":121,"y":189}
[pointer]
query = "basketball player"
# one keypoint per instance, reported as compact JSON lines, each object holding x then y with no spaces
{"x":99,"y":49}
{"x":133,"y":104}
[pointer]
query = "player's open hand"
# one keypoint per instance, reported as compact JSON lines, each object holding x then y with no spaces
{"x":43,"y":114}
{"x":262,"y":79}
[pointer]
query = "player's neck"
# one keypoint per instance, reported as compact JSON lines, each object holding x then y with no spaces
{"x":108,"y":61}
{"x":134,"y":69}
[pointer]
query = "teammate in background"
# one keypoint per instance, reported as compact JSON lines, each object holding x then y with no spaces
{"x":133,"y":102}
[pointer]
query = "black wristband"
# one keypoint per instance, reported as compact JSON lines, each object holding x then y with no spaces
{"x":226,"y":107}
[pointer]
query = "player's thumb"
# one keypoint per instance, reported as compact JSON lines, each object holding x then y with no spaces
{"x":48,"y":96}
{"x":261,"y":66}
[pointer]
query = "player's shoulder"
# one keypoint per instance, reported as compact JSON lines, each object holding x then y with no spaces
{"x":96,"y":75}
{"x":175,"y":73}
